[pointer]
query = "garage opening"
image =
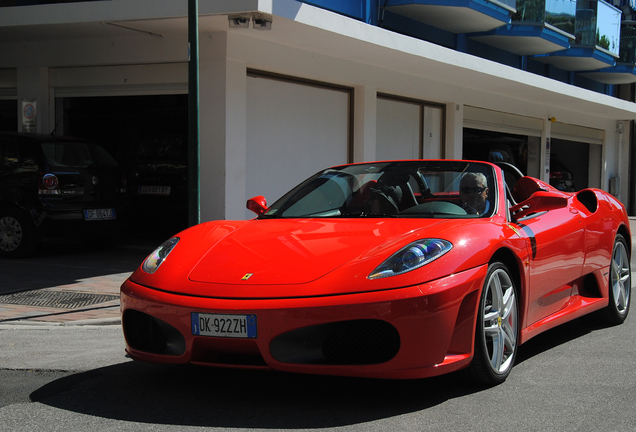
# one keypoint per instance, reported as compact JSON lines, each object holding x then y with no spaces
{"x":148,"y":136}
{"x":574,"y":165}
{"x":569,"y":165}
{"x":492,"y":146}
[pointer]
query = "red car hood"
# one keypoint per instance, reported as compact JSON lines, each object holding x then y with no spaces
{"x":284,"y":252}
{"x":289,"y":258}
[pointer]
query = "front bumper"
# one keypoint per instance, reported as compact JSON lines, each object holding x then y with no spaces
{"x":411,"y":332}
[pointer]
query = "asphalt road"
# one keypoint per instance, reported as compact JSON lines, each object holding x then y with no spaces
{"x":578,"y":377}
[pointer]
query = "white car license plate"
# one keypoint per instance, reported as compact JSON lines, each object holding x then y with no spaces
{"x":154,"y":190}
{"x":221,"y":325}
{"x":99,"y":214}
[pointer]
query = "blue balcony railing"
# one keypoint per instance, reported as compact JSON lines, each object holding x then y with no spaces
{"x":510,"y":3}
{"x":598,"y":24}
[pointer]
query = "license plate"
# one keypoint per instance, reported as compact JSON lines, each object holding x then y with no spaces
{"x":221,"y":325}
{"x":99,"y":214}
{"x":154,"y":190}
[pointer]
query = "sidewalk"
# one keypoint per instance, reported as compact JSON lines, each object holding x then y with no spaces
{"x":72,"y":284}
{"x":68,"y":283}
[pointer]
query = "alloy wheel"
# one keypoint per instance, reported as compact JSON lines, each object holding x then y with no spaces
{"x":500,"y":321}
{"x":10,"y":234}
{"x":620,"y":277}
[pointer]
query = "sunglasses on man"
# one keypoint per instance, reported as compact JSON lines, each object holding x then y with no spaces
{"x":469,"y":190}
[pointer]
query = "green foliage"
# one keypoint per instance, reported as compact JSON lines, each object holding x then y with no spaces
{"x":602,"y":41}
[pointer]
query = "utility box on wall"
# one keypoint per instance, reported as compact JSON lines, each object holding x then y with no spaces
{"x":615,"y":186}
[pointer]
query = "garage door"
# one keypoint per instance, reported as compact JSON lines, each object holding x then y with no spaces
{"x":408,"y":129}
{"x":294,"y":129}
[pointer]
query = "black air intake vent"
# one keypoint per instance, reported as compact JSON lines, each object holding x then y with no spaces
{"x":355,"y":342}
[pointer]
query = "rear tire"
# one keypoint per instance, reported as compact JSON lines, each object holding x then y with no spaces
{"x":18,"y":236}
{"x":497,"y":329}
{"x":620,"y":283}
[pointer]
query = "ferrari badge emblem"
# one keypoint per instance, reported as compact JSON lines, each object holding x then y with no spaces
{"x":247,"y":276}
{"x":499,"y":321}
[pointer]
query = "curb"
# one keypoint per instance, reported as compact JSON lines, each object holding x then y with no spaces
{"x":94,"y":322}
{"x":97,"y":322}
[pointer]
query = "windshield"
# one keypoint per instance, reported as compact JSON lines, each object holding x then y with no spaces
{"x":446,"y":189}
{"x":76,"y":154}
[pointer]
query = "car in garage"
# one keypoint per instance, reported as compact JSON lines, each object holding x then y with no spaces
{"x":560,"y":176}
{"x":394,"y":269}
{"x":55,"y":186}
{"x":157,"y":177}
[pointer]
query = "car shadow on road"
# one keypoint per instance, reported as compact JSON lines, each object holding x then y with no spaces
{"x":209,"y":397}
{"x":213,"y":397}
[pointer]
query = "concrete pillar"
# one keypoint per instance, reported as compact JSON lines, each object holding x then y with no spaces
{"x":365,"y":124}
{"x":223,"y":124}
{"x":454,"y":131}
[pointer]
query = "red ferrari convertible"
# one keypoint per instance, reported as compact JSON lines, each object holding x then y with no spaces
{"x":400,"y":269}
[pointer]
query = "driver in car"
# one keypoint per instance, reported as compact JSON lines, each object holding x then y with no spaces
{"x":473,"y":192}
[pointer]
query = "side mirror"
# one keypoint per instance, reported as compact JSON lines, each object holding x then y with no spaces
{"x":257,"y":205}
{"x":539,"y":202}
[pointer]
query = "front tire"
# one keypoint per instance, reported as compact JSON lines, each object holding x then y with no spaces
{"x":497,"y":329}
{"x":18,"y":235}
{"x":620,"y":283}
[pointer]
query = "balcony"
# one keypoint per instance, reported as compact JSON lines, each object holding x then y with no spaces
{"x":456,"y":16}
{"x":597,"y":32}
{"x":537,"y":27}
{"x":623,"y":72}
{"x":627,"y":53}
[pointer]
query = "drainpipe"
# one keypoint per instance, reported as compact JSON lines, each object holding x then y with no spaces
{"x":194,"y":179}
{"x":615,"y":181}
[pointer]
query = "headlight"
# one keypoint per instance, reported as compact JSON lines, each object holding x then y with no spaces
{"x":411,"y":257}
{"x":154,"y":260}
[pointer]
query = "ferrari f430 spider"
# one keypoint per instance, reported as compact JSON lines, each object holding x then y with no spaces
{"x":398,"y":269}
